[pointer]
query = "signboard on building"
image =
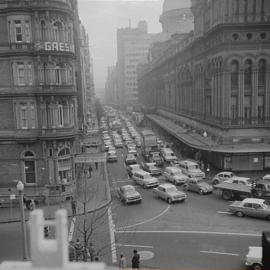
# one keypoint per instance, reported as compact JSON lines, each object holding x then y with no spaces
{"x":55,"y":46}
{"x":90,"y":158}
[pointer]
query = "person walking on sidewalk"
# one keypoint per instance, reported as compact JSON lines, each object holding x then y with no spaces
{"x":92,"y":252}
{"x":73,"y":207}
{"x":135,"y":260}
{"x":79,"y":249}
{"x":122,"y":262}
{"x":71,"y":251}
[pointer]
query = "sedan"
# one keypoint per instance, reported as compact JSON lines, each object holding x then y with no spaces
{"x":198,"y":185}
{"x":151,"y":168}
{"x":129,"y":194}
{"x":222,"y":176}
{"x":130,"y":159}
{"x":169,"y":193}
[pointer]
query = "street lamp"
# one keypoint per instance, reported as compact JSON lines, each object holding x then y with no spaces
{"x":20,"y":188}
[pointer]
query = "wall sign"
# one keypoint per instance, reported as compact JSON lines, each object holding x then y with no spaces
{"x":55,"y":46}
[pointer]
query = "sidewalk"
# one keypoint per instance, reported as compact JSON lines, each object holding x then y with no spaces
{"x":96,"y":182}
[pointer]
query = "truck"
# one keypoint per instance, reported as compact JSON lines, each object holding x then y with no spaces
{"x":148,"y":143}
{"x":232,"y":191}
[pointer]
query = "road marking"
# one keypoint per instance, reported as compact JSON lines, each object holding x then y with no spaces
{"x":122,"y":245}
{"x":122,"y":181}
{"x":220,"y":253}
{"x":71,"y":229}
{"x":112,"y":236}
{"x":225,"y":212}
{"x":146,"y":221}
{"x":194,"y":232}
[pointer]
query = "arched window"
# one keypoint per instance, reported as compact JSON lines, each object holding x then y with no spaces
{"x":234,"y":75}
{"x":43,"y":31}
{"x":248,"y":75}
{"x":60,"y":115}
{"x":64,"y":165}
{"x":262,"y":74}
{"x":57,"y":31}
{"x":29,"y":165}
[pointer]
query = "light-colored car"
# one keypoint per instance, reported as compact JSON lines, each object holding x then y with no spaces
{"x":129,"y":194}
{"x":266,"y":177}
{"x":144,"y":179}
{"x":130,"y":159}
{"x":191,"y":169}
{"x":168,"y":155}
{"x":175,"y":175}
{"x":111,"y":156}
{"x":222,"y":176}
{"x":198,"y":185}
{"x":133,"y":168}
{"x":151,"y":168}
{"x":240,"y":181}
{"x":169,"y":193}
{"x":132,"y":150}
{"x":254,"y":258}
{"x":251,"y":207}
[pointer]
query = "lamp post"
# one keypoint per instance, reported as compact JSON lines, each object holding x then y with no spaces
{"x":20,"y":188}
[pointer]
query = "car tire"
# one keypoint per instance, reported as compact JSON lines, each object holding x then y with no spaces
{"x":201,"y":192}
{"x":239,"y":214}
{"x":169,"y":201}
{"x":257,"y":266}
{"x":185,"y":187}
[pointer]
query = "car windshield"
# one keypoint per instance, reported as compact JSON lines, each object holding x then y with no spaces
{"x":177,"y":172}
{"x":172,"y":189}
{"x":129,"y":190}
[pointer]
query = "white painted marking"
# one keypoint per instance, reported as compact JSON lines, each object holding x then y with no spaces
{"x":112,"y":236}
{"x":122,"y":245}
{"x":225,"y":212}
{"x":220,"y":253}
{"x":122,"y":181}
{"x":146,"y":221}
{"x":71,"y":229}
{"x":195,"y":232}
{"x":146,"y":255}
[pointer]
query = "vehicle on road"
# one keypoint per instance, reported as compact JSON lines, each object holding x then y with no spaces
{"x":130,"y":159}
{"x":129,"y":194}
{"x":252,"y":207}
{"x":191,"y":169}
{"x":266,"y":177}
{"x":168,"y":155}
{"x":132,"y":150}
{"x":175,"y":175}
{"x":169,"y":193}
{"x":239,"y":180}
{"x":132,"y":168}
{"x":222,"y":176}
{"x":254,"y":258}
{"x":144,"y":179}
{"x":156,"y":157}
{"x":111,"y":156}
{"x":151,"y":168}
{"x":198,"y":185}
{"x":149,"y":143}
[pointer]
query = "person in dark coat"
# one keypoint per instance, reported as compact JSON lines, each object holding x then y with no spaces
{"x":71,"y":251}
{"x":135,"y":260}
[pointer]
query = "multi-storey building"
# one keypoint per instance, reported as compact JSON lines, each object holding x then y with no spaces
{"x":111,"y":93}
{"x":212,"y":87}
{"x":132,"y":49}
{"x":38,"y":96}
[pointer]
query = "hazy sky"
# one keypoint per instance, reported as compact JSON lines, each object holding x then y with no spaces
{"x":101,"y":19}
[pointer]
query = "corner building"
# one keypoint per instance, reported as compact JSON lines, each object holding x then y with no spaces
{"x":211,"y":90}
{"x":38,"y":103}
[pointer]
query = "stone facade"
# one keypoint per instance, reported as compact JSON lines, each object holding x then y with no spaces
{"x":217,"y":79}
{"x":38,"y":96}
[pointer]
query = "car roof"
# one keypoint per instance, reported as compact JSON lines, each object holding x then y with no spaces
{"x":150,"y":164}
{"x":128,"y":187}
{"x":142,"y":172}
{"x":188,"y":162}
{"x":134,"y":166}
{"x":173,"y":168}
{"x":240,"y":178}
{"x":225,"y":172}
{"x":253,"y":200}
{"x":166,"y":185}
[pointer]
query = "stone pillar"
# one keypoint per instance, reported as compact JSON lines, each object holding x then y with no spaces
{"x":226,"y":95}
{"x":254,"y":99}
{"x":267,"y":96}
{"x":241,"y":96}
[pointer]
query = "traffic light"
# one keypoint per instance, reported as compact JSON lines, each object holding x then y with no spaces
{"x":46,"y":231}
{"x":266,"y":250}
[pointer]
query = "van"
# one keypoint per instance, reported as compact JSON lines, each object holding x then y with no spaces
{"x":191,"y":169}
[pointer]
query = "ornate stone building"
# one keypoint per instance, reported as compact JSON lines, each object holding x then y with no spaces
{"x":213,"y":86}
{"x":38,"y":96}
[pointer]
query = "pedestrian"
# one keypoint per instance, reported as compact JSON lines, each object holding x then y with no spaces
{"x":122,"y":261}
{"x":74,"y":207}
{"x":96,"y":163}
{"x":92,"y":252}
{"x":71,"y":251}
{"x":79,"y":249}
{"x":90,"y":170}
{"x":135,"y":260}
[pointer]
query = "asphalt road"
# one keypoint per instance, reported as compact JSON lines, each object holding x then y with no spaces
{"x":199,"y":233}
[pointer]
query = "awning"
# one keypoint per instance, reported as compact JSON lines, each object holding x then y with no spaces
{"x":90,"y":158}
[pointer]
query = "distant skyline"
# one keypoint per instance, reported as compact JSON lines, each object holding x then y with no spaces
{"x":102,"y":18}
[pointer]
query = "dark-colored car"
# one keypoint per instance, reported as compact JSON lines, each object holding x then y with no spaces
{"x":130,"y":159}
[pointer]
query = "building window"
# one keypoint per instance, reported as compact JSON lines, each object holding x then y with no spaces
{"x":27,"y":115}
{"x":29,"y":74}
{"x":29,"y":167}
{"x":57,"y":31}
{"x":60,"y":115}
{"x":21,"y":73}
{"x":23,"y":118}
{"x":27,"y":32}
{"x":58,"y":75}
{"x":248,"y":75}
{"x":234,"y":109}
{"x":64,"y":166}
{"x":234,"y":75}
{"x":18,"y":31}
{"x":32,"y":116}
{"x":247,"y":109}
{"x":262,"y":75}
{"x":261,"y":109}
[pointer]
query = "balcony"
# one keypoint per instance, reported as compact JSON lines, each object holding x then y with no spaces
{"x":56,"y":90}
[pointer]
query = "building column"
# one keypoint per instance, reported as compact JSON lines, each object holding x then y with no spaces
{"x":241,"y":96}
{"x":226,"y":95}
{"x":254,"y":99}
{"x":267,"y":96}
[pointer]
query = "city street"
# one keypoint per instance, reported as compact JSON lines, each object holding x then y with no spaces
{"x":199,"y":233}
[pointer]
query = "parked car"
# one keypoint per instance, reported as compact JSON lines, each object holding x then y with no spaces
{"x":254,"y":258}
{"x":130,"y":159}
{"x":169,"y":193}
{"x":151,"y":168}
{"x":156,"y":158}
{"x":191,"y":169}
{"x":240,"y":180}
{"x":111,"y":156}
{"x":175,"y":175}
{"x":168,"y":155}
{"x":251,"y":207}
{"x":222,"y":176}
{"x":132,"y":168}
{"x":132,"y":150}
{"x":144,"y":179}
{"x":129,"y":194}
{"x":266,"y":177}
{"x":198,"y":185}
